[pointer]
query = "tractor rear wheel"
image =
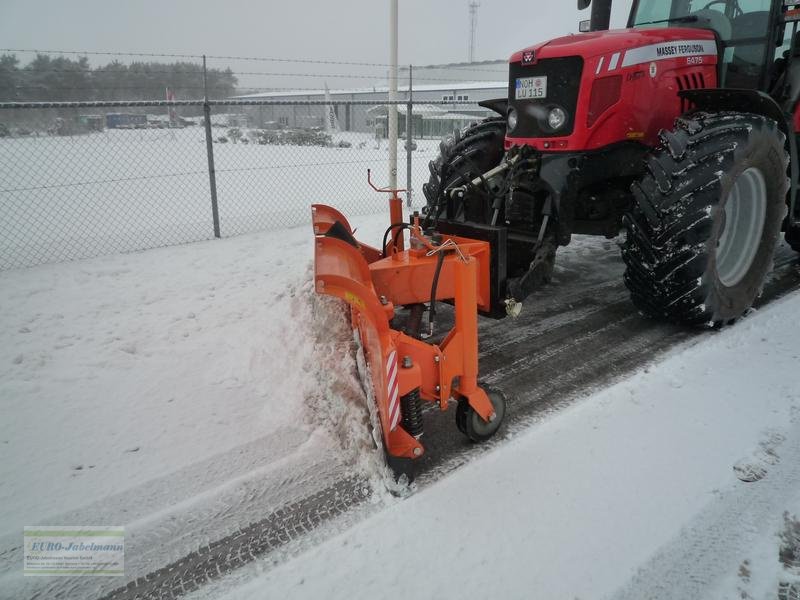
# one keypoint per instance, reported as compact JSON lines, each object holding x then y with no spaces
{"x":463,"y":157}
{"x":706,"y":218}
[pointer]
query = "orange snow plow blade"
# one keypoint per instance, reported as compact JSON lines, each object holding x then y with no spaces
{"x":341,"y":271}
{"x":323,"y":217}
{"x":404,"y":370}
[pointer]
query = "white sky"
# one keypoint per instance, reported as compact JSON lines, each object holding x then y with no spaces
{"x":431,"y":31}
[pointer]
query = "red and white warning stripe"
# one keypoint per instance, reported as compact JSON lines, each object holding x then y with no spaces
{"x":393,"y":388}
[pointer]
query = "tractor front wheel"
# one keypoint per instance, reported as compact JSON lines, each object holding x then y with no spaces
{"x":464,"y":156}
{"x":706,"y":219}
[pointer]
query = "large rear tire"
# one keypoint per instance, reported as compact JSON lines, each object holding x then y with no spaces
{"x":706,"y":219}
{"x":464,"y":156}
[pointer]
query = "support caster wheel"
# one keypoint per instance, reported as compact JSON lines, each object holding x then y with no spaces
{"x":461,"y":415}
{"x":473,"y":426}
{"x":401,"y":466}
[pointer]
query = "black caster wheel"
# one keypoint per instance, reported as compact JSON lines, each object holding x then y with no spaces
{"x":473,"y":426}
{"x":401,"y":466}
{"x":461,"y":415}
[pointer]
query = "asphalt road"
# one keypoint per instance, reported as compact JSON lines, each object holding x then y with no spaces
{"x":579,"y":334}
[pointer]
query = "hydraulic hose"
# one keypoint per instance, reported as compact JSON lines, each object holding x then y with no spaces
{"x":402,"y":226}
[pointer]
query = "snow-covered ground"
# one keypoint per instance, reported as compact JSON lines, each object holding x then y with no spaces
{"x":634,"y":493}
{"x":183,"y":392}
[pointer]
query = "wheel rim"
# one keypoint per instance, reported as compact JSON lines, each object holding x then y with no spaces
{"x":742,"y":227}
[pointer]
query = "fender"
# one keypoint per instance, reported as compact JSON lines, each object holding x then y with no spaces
{"x":498,"y":105}
{"x":753,"y":101}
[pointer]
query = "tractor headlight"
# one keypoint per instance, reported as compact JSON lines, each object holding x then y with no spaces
{"x":513,"y":119}
{"x":556,"y":118}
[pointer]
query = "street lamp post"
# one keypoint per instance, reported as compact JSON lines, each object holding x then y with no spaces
{"x":393,"y":95}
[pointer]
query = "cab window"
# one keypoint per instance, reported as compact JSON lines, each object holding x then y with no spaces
{"x":744,"y":56}
{"x":741,"y":26}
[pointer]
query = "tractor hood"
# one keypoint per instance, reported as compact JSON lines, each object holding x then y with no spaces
{"x":610,"y":86}
{"x":588,"y":45}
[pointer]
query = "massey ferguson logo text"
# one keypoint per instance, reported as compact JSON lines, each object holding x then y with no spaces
{"x":528,"y":57}
{"x":679,"y":50}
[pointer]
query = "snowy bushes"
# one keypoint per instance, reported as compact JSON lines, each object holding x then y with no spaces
{"x":234,"y":134}
{"x":293,"y":137}
{"x":279,"y":137}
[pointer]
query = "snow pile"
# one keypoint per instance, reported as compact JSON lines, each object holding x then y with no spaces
{"x":632,"y":492}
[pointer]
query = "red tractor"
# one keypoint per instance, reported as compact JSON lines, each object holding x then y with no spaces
{"x":679,"y":129}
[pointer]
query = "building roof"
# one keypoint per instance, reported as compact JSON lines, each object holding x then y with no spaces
{"x":431,"y":111}
{"x":458,"y":65}
{"x":435,"y":87}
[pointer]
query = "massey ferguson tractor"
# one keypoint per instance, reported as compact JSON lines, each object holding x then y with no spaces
{"x":679,"y":129}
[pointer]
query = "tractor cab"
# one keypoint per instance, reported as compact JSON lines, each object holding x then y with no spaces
{"x":747,"y":32}
{"x":757,"y":40}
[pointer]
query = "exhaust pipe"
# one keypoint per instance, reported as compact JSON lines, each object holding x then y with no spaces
{"x":601,"y":15}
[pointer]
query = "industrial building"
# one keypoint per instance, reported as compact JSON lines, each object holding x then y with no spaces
{"x":439,"y":101}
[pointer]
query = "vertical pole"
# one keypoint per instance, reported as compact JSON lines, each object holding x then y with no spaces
{"x":393,"y":95}
{"x":212,"y":174}
{"x":601,"y":15}
{"x":409,"y":133}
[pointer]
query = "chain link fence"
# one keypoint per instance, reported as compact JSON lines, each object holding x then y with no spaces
{"x":79,"y":180}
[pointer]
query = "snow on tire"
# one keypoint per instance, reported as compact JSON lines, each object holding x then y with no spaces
{"x":706,"y":218}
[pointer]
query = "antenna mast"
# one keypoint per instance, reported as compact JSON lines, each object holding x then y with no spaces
{"x":473,"y":27}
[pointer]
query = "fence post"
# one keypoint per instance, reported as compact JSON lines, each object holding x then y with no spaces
{"x":212,"y":174}
{"x":409,"y":133}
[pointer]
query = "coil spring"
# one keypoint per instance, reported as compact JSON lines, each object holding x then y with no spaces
{"x":411,"y":409}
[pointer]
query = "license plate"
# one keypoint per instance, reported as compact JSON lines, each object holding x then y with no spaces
{"x":531,"y":88}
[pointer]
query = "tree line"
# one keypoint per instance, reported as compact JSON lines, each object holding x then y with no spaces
{"x":52,"y":79}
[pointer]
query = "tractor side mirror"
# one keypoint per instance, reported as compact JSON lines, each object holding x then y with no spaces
{"x":585,"y":26}
{"x":582,"y":4}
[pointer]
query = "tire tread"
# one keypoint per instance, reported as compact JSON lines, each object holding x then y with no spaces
{"x":670,"y":224}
